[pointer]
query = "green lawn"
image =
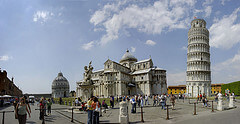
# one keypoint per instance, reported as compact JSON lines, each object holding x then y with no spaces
{"x":72,"y":99}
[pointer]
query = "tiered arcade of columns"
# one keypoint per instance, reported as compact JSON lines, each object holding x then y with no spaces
{"x":198,"y":60}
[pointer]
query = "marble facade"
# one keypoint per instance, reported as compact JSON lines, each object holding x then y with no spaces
{"x":128,"y":77}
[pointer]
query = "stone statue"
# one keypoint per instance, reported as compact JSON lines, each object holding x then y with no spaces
{"x":87,"y":75}
{"x":123,"y":115}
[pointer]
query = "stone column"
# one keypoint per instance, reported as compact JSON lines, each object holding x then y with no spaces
{"x":219,"y":106}
{"x":123,"y":116}
{"x":231,"y":104}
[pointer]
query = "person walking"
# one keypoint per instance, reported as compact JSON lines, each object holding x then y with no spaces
{"x":44,"y":102}
{"x":96,"y":110}
{"x":133,"y":102}
{"x":162,"y":101}
{"x":154,"y":100}
{"x":41,"y":106}
{"x":27,"y":102}
{"x":141,"y":101}
{"x":76,"y":102}
{"x":90,"y":110}
{"x":216,"y":97}
{"x":21,"y":111}
{"x":172,"y":100}
{"x":146,"y":100}
{"x":49,"y":104}
{"x":204,"y":101}
{"x":201,"y":97}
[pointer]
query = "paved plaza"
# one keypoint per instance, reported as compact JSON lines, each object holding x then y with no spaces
{"x":183,"y":114}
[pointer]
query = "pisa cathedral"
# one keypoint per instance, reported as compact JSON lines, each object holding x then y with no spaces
{"x":128,"y":77}
{"x":198,"y":59}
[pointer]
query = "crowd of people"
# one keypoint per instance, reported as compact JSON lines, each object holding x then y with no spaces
{"x":93,"y":105}
{"x":93,"y":109}
{"x":22,"y":108}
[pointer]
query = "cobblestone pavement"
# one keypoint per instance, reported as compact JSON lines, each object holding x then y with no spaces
{"x":152,"y":115}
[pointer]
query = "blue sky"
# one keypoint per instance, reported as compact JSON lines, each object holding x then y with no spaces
{"x":40,"y":38}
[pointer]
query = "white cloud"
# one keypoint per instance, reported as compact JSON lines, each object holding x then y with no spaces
{"x":207,"y":2}
{"x":88,"y":46}
{"x":228,"y":70}
{"x":42,"y":16}
{"x":224,"y":33}
{"x":5,"y":58}
{"x":176,"y":78}
{"x":184,"y":48}
{"x":150,"y":43}
{"x":208,"y":11}
{"x":223,"y":2}
{"x":133,"y":49}
{"x":161,"y":16}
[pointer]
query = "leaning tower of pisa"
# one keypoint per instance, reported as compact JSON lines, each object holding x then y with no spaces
{"x":198,"y":60}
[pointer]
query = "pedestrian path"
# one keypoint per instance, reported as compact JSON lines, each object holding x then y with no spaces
{"x":183,"y":113}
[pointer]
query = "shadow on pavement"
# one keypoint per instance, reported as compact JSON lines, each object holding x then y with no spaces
{"x":31,"y":122}
{"x":50,"y":118}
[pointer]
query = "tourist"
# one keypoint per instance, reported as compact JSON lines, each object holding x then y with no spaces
{"x":120,"y":99}
{"x":76,"y":102}
{"x":154,"y":100}
{"x":219,"y":95}
{"x":200,"y":97}
{"x":27,"y":102}
{"x":124,"y":98}
{"x":228,"y":96}
{"x":204,"y":100}
{"x":90,"y":110}
{"x":146,"y":99}
{"x":96,"y":110}
{"x":21,"y":111}
{"x":233,"y":96}
{"x":216,"y":97}
{"x":49,"y":104}
{"x":133,"y":102}
{"x":163,"y":101}
{"x":41,"y":106}
{"x":44,"y":102}
{"x":172,"y":100}
{"x":117,"y":99}
{"x":142,"y":102}
{"x":104,"y":104}
{"x":159,"y":99}
{"x":112,"y":99}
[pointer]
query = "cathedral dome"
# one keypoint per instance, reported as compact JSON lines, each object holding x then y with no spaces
{"x":128,"y":57}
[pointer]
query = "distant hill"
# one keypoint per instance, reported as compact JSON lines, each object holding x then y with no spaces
{"x":232,"y":87}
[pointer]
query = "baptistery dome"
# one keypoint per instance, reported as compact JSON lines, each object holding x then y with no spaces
{"x":60,"y":86}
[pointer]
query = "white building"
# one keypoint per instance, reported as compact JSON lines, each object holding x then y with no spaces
{"x":128,"y":77}
{"x":198,"y":59}
{"x":60,"y":86}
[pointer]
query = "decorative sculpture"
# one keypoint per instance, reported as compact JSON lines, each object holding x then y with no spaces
{"x":87,"y":75}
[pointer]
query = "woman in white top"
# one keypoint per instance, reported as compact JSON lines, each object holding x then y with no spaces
{"x":21,"y":111}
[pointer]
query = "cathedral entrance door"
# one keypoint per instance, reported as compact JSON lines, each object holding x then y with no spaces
{"x":64,"y":94}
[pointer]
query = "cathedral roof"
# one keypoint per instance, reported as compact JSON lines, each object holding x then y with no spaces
{"x":60,"y":81}
{"x":128,"y":57}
